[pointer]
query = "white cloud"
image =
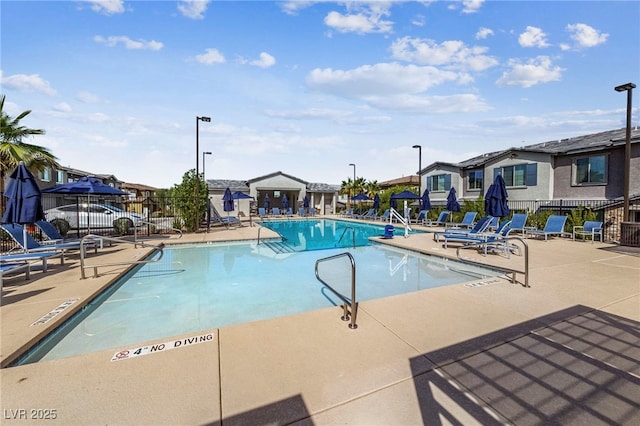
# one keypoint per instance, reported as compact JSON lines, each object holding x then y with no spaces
{"x":128,"y":43}
{"x":585,"y":35}
{"x":535,"y":71}
{"x":265,"y":61}
{"x":193,"y":9}
{"x":361,"y":18}
{"x":106,"y":7}
{"x":62,"y":107}
{"x":451,"y":53}
{"x":471,"y":6}
{"x":212,"y":56}
{"x":27,"y":83}
{"x":533,"y":37}
{"x":87,"y":97}
{"x":483,"y":33}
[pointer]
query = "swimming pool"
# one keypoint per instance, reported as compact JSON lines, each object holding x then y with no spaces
{"x":200,"y":287}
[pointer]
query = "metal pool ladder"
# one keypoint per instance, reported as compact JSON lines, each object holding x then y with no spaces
{"x":353,"y":235}
{"x":347,"y":303}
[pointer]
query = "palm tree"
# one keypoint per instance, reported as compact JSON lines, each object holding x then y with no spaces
{"x":13,"y":150}
{"x":346,"y":188}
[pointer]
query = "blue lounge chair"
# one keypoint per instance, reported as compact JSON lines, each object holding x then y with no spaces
{"x":346,"y":213}
{"x":519,"y":222}
{"x":388,"y":232}
{"x":275,"y":211}
{"x":422,"y":216}
{"x":29,"y":257}
{"x":312,"y":211}
{"x":490,"y":241}
{"x":30,"y":245}
{"x":216,"y":218}
{"x":589,"y":228}
{"x":467,"y":221}
{"x":15,"y":267}
{"x":440,"y":221}
{"x":384,"y":216}
{"x":53,"y":236}
{"x":289,"y":212}
{"x":301,"y":211}
{"x":262,"y":212}
{"x":554,"y":226}
{"x":366,"y":215}
{"x":481,"y":226}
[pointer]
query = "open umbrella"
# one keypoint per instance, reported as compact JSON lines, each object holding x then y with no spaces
{"x":24,"y":204}
{"x":452,"y":202}
{"x":239,"y":195}
{"x":495,"y":200}
{"x":405,"y":195}
{"x":85,"y":185}
{"x":425,"y":203}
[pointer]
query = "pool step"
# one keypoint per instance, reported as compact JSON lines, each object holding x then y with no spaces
{"x":279,"y":247}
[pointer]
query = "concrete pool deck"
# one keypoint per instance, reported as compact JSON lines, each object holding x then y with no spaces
{"x":565,"y":351}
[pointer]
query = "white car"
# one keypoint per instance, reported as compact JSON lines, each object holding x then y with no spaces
{"x":91,"y":216}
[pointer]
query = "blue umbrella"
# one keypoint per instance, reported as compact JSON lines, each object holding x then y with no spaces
{"x":425,"y":203}
{"x":227,"y":199}
{"x":85,"y":185}
{"x":405,"y":195}
{"x":305,"y":203}
{"x":360,"y":197}
{"x":376,"y":202}
{"x":239,"y":195}
{"x":495,"y":200}
{"x":393,"y":203}
{"x":24,"y":204}
{"x":267,"y":202}
{"x":285,"y":202}
{"x":452,"y":202}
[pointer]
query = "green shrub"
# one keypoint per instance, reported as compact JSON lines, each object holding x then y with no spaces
{"x":121,"y":226}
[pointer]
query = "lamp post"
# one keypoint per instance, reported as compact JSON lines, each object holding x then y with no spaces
{"x":354,"y":181}
{"x":627,"y":147}
{"x":198,"y":119}
{"x":419,"y":168}
{"x":204,"y":176}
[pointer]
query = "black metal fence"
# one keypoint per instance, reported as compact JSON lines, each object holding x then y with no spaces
{"x":78,"y":215}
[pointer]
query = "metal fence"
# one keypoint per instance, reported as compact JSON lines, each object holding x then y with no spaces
{"x":100,"y":215}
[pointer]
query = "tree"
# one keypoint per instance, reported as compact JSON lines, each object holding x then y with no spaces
{"x":191,"y":200}
{"x":13,"y":150}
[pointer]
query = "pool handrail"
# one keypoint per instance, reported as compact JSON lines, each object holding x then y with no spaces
{"x":353,"y":234}
{"x":157,"y":248}
{"x":346,"y":302}
{"x":281,"y":236}
{"x":402,"y":220}
{"x":512,"y":271}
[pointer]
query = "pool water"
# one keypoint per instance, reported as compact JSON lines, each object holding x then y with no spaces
{"x":205,"y":286}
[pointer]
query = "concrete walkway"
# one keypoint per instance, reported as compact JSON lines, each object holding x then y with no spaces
{"x":564,"y":351}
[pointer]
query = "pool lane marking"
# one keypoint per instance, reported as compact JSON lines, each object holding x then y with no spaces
{"x":161,"y":347}
{"x":55,"y":312}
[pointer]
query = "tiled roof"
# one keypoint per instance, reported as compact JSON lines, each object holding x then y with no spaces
{"x":233,"y":185}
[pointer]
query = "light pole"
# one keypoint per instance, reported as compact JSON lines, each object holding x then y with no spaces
{"x":198,"y":119}
{"x":419,"y":168}
{"x":354,"y":181}
{"x":204,"y":176}
{"x":627,"y":147}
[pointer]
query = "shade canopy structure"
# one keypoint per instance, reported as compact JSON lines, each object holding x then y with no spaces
{"x":405,"y":195}
{"x":239,"y":195}
{"x":360,"y":197}
{"x":227,"y":201}
{"x":425,"y":202}
{"x":496,"y":198}
{"x":24,"y":200}
{"x":452,"y":201}
{"x":85,"y":185}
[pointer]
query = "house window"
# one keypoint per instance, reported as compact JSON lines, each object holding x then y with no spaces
{"x":590,"y":170}
{"x":518,"y":174}
{"x":45,"y":175}
{"x":59,"y":176}
{"x":475,"y":179}
{"x":439,"y":182}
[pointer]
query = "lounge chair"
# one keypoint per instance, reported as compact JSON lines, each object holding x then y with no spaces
{"x":590,"y":228}
{"x":346,"y":213}
{"x":491,"y":241}
{"x":384,"y":216}
{"x":262,"y":212}
{"x":54,"y":237}
{"x":312,"y":211}
{"x":554,"y":226}
{"x":519,"y":222}
{"x":467,"y":221}
{"x":366,"y":215}
{"x":16,"y":232}
{"x":29,"y":257}
{"x":440,"y":221}
{"x":289,"y":212}
{"x":275,"y":211}
{"x":422,"y":216}
{"x":15,"y":267}
{"x":388,"y":232}
{"x":301,"y":211}
{"x":481,"y":226}
{"x":216,"y":218}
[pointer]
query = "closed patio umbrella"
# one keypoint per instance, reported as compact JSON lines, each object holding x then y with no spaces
{"x":452,"y":201}
{"x":425,"y":203}
{"x":495,"y":200}
{"x":24,"y":204}
{"x":376,"y":202}
{"x":267,"y":202}
{"x":285,"y":203}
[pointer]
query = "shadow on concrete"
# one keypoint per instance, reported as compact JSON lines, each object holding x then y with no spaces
{"x":576,"y":366}
{"x":292,"y":409}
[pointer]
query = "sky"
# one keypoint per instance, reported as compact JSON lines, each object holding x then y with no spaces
{"x":309,"y":87}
